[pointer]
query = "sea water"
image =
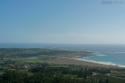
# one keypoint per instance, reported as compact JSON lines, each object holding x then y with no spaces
{"x":116,"y":59}
{"x":108,"y":55}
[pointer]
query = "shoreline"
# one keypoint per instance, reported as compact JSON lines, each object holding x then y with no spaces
{"x":100,"y":62}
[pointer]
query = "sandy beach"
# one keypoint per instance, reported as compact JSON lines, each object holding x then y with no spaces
{"x":75,"y":61}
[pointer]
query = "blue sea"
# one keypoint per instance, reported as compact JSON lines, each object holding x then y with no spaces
{"x":115,"y":58}
{"x":103,"y":54}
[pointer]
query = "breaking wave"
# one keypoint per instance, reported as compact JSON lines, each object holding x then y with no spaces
{"x":101,"y":62}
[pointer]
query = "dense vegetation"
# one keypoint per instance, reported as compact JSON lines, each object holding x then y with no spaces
{"x":14,"y":68}
{"x":44,"y":73}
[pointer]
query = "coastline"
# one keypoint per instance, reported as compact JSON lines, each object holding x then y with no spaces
{"x":100,"y":62}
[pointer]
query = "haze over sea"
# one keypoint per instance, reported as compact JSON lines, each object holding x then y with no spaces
{"x":103,"y":54}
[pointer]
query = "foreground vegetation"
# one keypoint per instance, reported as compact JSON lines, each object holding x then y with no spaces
{"x":31,"y":66}
{"x":44,"y":73}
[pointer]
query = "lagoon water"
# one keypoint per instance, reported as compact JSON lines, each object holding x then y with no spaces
{"x":103,"y":54}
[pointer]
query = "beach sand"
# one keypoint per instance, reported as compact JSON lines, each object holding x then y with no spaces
{"x":75,"y":61}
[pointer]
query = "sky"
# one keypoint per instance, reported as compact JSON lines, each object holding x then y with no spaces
{"x":62,"y":21}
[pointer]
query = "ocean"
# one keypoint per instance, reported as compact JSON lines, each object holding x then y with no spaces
{"x":102,"y":54}
{"x":115,"y":59}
